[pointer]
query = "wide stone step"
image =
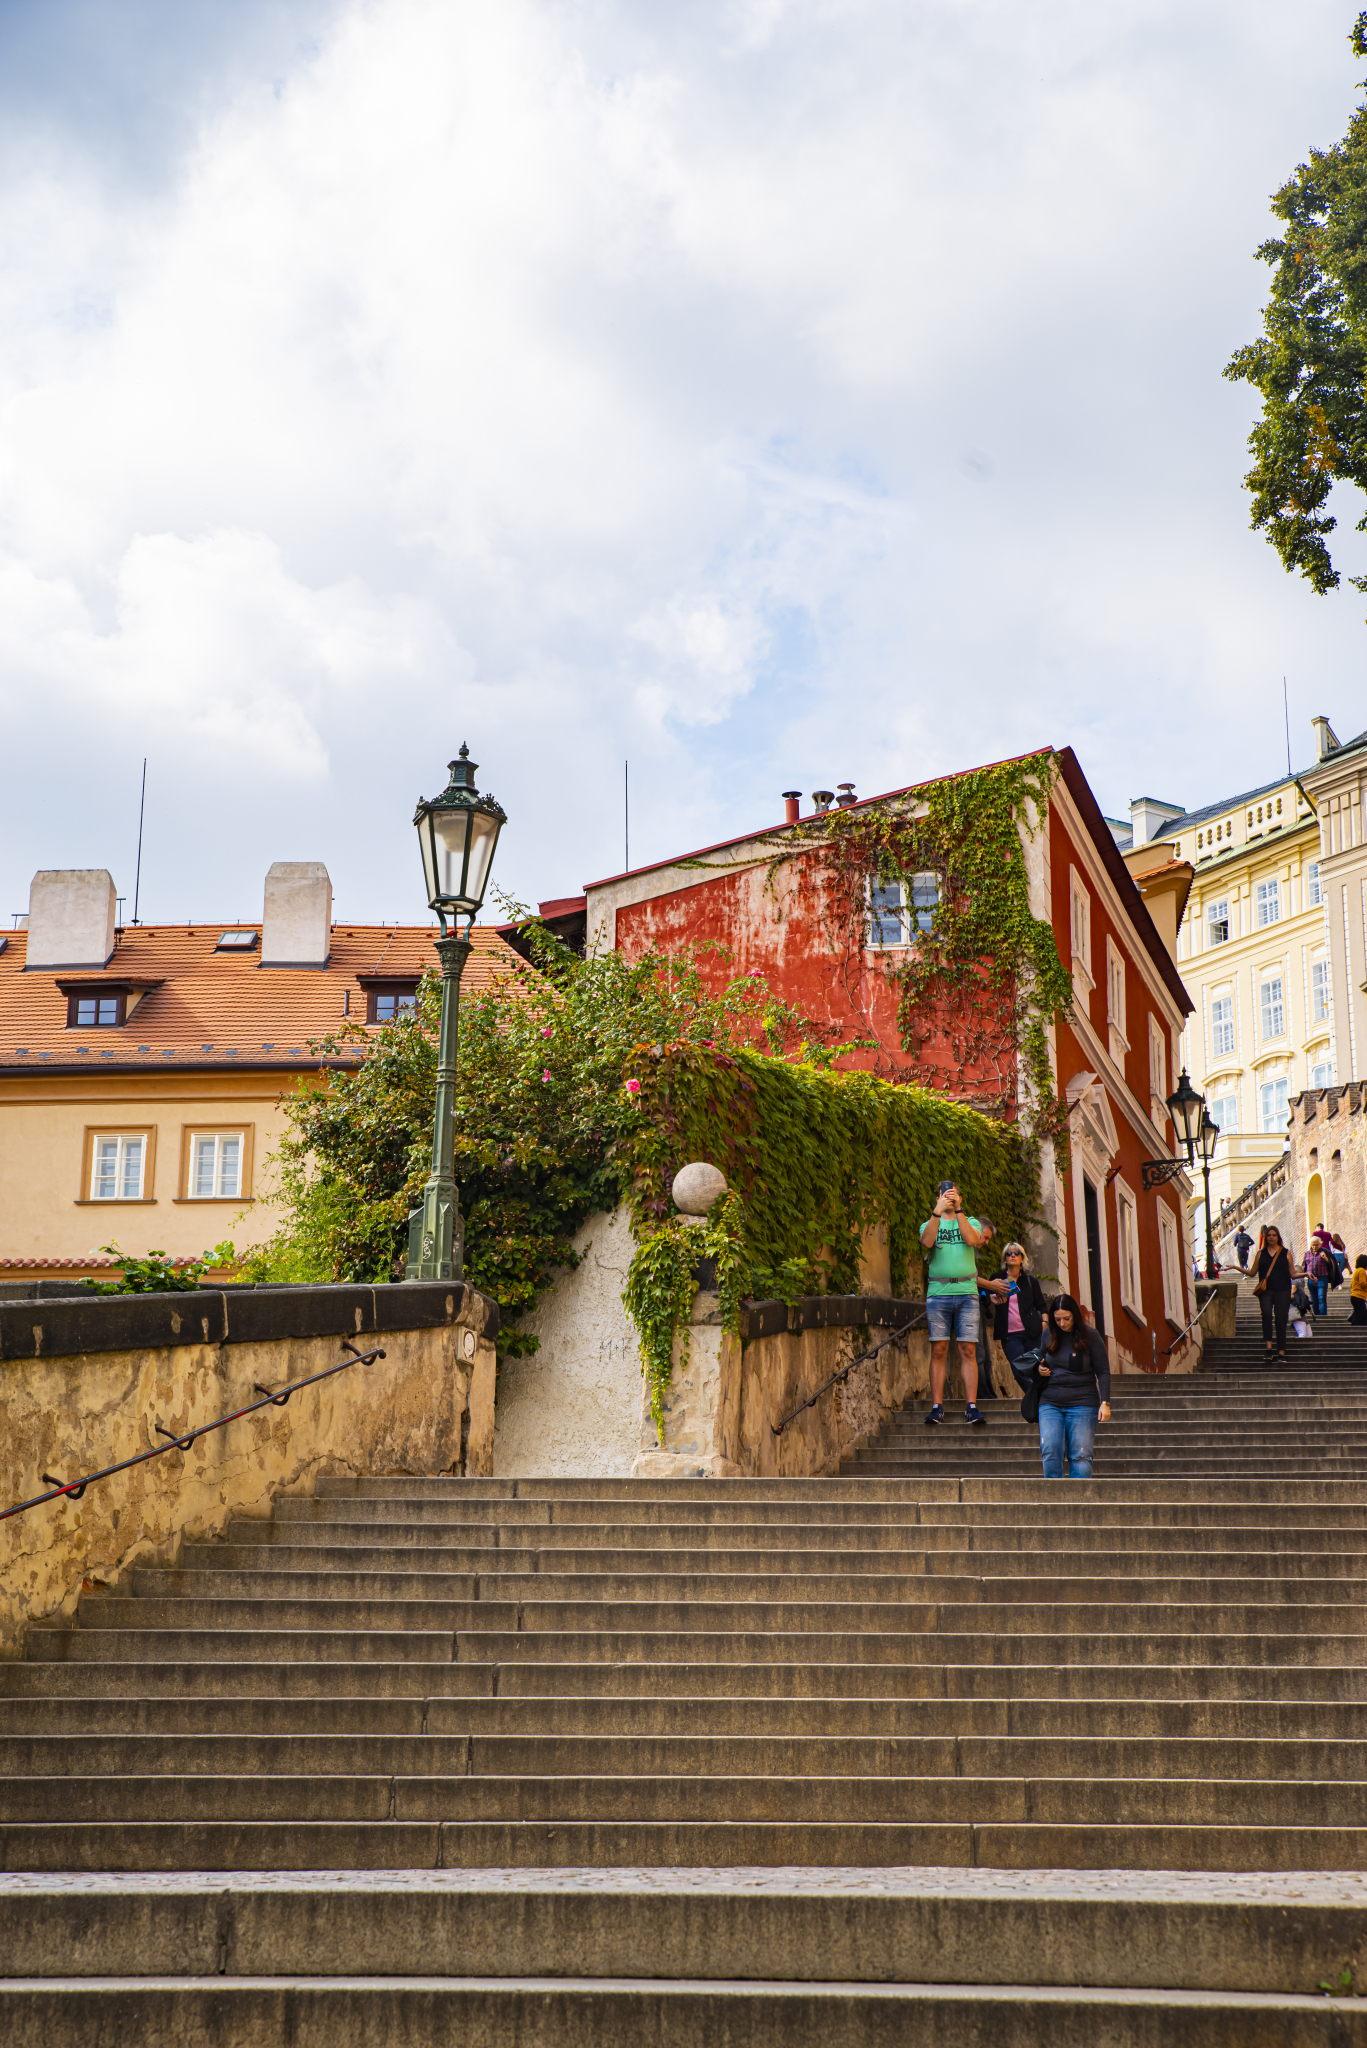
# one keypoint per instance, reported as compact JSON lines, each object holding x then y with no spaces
{"x":1130,"y":1718}
{"x":954,"y":1576}
{"x":564,"y":1844}
{"x":122,"y":1628}
{"x":947,"y":1926}
{"x":1300,"y":1553}
{"x":389,"y":2011}
{"x":730,"y":1677}
{"x":599,"y":1754}
{"x":886,"y":1799}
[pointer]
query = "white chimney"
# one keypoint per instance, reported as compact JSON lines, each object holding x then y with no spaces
{"x":296,"y":928}
{"x":70,"y":918}
{"x":1149,"y":815}
{"x":1326,"y":739}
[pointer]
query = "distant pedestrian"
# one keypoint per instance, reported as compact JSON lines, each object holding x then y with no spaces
{"x":1319,"y":1269}
{"x":1017,"y":1307}
{"x":1074,"y":1378}
{"x":951,"y":1237}
{"x":1338,"y":1252}
{"x":1358,"y":1291}
{"x":1275,"y":1268}
{"x":1243,"y":1245}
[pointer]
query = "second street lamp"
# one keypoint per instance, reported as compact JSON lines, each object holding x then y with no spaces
{"x":458,"y":832}
{"x":1209,"y":1138}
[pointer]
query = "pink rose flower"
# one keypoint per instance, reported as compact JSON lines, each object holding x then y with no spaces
{"x":547,"y":1075}
{"x":633,"y":1087}
{"x":545,"y":1031}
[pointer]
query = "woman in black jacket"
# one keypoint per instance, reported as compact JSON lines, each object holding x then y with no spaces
{"x":1074,"y":1378}
{"x":1275,"y":1267}
{"x":1018,"y":1317}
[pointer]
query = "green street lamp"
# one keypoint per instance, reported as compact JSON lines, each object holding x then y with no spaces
{"x":457,"y":832}
{"x":1208,"y":1137}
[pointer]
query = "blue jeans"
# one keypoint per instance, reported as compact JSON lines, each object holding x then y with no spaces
{"x":1070,"y":1429}
{"x":1321,"y":1288}
{"x":952,"y":1315}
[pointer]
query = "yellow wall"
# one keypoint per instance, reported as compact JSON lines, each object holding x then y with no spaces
{"x":1281,"y":844}
{"x":44,"y":1121}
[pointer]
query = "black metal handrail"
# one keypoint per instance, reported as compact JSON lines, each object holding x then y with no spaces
{"x":917,"y":1320}
{"x":74,"y":1488}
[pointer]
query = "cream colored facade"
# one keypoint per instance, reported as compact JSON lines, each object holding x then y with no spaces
{"x":1337,"y":785}
{"x":1253,"y":951}
{"x":48,"y":1129}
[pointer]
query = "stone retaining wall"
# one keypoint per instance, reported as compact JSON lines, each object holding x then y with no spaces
{"x":84,"y":1382}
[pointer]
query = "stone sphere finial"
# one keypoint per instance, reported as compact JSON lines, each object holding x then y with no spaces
{"x":696,"y":1187}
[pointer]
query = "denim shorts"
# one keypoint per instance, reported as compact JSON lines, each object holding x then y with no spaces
{"x":952,"y":1315}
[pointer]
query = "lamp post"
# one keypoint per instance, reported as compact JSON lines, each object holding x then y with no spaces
{"x":1208,"y":1138}
{"x":1186,"y":1108}
{"x":457,"y":832}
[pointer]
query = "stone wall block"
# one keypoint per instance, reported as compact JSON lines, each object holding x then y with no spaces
{"x":426,"y":1408}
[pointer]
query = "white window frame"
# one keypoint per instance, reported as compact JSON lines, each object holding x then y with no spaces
{"x":1267,"y":903}
{"x":1170,"y":1260}
{"x":1220,"y":903}
{"x":1158,"y":1060}
{"x":1321,"y":992}
{"x":1230,"y":1126}
{"x":219,"y":1141}
{"x":1272,"y":1082}
{"x":1082,"y":922}
{"x":1322,"y":1074}
{"x":1220,"y":1045}
{"x":1127,"y":1248}
{"x":1314,"y":890}
{"x":123,"y":1143}
{"x":1271,"y":1008}
{"x":1115,"y":995}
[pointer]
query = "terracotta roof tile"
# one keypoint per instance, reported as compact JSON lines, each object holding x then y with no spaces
{"x":212,"y":1008}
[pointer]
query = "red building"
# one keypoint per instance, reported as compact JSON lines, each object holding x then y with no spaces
{"x":1122,"y":1250}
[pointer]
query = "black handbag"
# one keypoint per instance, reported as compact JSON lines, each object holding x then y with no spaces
{"x":1030,"y":1361}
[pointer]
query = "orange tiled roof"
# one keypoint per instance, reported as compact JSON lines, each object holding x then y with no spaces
{"x":213,"y":1009}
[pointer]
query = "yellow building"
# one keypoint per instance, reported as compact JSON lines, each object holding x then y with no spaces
{"x":142,"y":1068}
{"x":1253,"y":951}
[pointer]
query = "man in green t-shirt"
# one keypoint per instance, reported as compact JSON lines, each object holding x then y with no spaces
{"x":951,"y":1236}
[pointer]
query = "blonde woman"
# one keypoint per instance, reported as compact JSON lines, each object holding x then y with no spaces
{"x":1018,"y":1318}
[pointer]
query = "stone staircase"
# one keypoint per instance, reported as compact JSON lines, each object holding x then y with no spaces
{"x":1235,"y":1417}
{"x":949,"y":1758}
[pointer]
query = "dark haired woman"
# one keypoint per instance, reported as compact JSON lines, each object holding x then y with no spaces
{"x":1274,"y":1267}
{"x":1074,"y":1378}
{"x":1018,"y":1315}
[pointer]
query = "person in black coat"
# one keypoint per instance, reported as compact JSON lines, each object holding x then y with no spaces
{"x":1018,"y":1314}
{"x":1074,"y":1379}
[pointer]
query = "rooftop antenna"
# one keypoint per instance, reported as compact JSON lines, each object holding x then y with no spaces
{"x":626,"y":815}
{"x":142,"y":804}
{"x":1286,"y":713}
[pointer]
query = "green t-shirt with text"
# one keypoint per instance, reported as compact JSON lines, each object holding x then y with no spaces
{"x":953,"y":1267}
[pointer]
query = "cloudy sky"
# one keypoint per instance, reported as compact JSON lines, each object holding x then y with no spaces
{"x":771,"y":392}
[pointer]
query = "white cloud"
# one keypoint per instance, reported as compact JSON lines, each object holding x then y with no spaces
{"x":762,"y":389}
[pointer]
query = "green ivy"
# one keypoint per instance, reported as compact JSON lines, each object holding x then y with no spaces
{"x":156,"y":1274}
{"x":813,"y":1160}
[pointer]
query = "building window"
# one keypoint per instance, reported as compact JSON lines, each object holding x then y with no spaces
{"x":1313,"y":892}
{"x":1272,"y":1007}
{"x":235,"y":942}
{"x":1158,"y":1061}
{"x":1082,"y":922}
{"x":216,"y":1166}
{"x":1272,"y":1097}
{"x":1269,"y":902}
{"x":1319,"y":991}
{"x":1127,"y":1219}
{"x":384,"y":1005}
{"x":1217,"y":922}
{"x":1322,"y":1074}
{"x":1172,"y":1264}
{"x":94,"y":1012}
{"x":117,"y":1171}
{"x":1115,"y":989}
{"x":1224,"y":1111}
{"x":1222,"y":1024}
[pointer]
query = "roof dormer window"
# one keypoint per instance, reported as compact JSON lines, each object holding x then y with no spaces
{"x":94,"y":1012}
{"x":236,"y":942}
